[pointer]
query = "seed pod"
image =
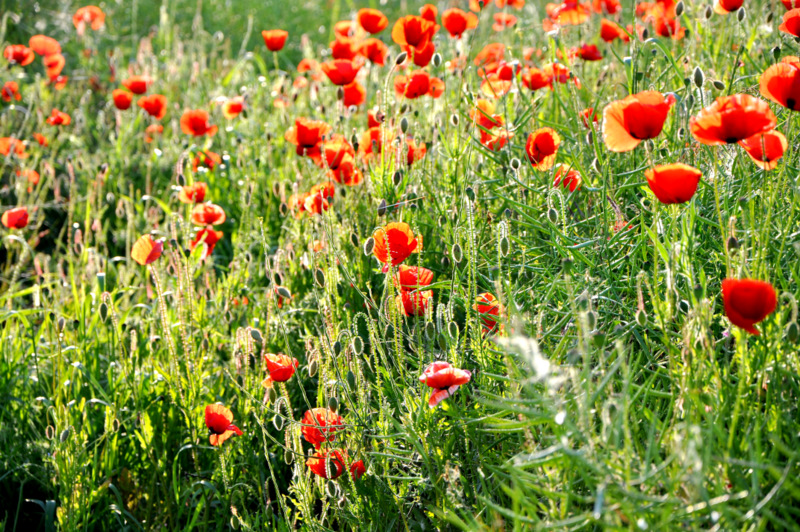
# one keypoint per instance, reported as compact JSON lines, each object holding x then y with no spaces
{"x":358,"y":345}
{"x":430,"y":330}
{"x":709,"y":12}
{"x":312,"y":368}
{"x":284,"y":292}
{"x":397,"y":178}
{"x":369,"y":245}
{"x":255,"y":334}
{"x":333,"y":404}
{"x":337,"y":348}
{"x":792,"y":332}
{"x":515,"y":163}
{"x":404,"y":124}
{"x":330,"y":487}
{"x":319,"y":277}
{"x":442,"y":341}
{"x":382,"y":208}
{"x":679,"y":8}
{"x":288,"y":457}
{"x":458,"y":255}
{"x":401,"y":58}
{"x":437,"y":60}
{"x":277,"y":422}
{"x":591,"y":320}
{"x":776,"y":52}
{"x":552,"y":215}
{"x":719,"y":85}
{"x":454,"y":120}
{"x":505,"y":246}
{"x":354,"y":239}
{"x":699,"y":77}
{"x":470,"y":193}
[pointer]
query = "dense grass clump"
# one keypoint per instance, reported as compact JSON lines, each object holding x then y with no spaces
{"x":515,"y":266}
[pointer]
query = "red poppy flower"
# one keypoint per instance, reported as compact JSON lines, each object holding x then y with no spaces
{"x":316,"y":201}
{"x":156,"y":106}
{"x":44,"y":45}
{"x":9,"y":145}
{"x":731,"y":119}
{"x":341,"y":71}
{"x":535,"y":79}
{"x":516,"y":4}
{"x":137,"y":84}
{"x":489,"y":308}
{"x":781,"y":83}
{"x":232,"y":107}
{"x":765,"y":148}
{"x":16,"y":218}
{"x":357,"y":469}
{"x":673,"y":183}
{"x":92,"y":16}
{"x":637,"y":117}
{"x":371,"y":143}
{"x":206,"y":159}
{"x":32,"y":176}
{"x":495,"y":87}
{"x":59,"y":118}
{"x":307,"y":135}
{"x":275,"y":39}
{"x":347,"y":172}
{"x":280,"y":368}
{"x":374,"y":50}
{"x":421,"y":56}
{"x":444,"y":379}
{"x":41,"y":139}
{"x":416,"y":151}
{"x":748,"y":302}
{"x":219,"y":421}
{"x":11,"y":91}
{"x":587,"y":115}
{"x":569,"y":13}
{"x":503,"y":21}
{"x":208,"y":214}
{"x":723,"y":7}
{"x":429,"y":12}
{"x":587,"y":52}
{"x":456,"y":22}
{"x":345,"y":48}
{"x":327,"y":464}
{"x":54,"y":65}
{"x":307,"y":65}
{"x":354,"y":94}
{"x":413,"y":303}
{"x":195,"y":122}
{"x":19,"y":54}
{"x":491,"y":53}
{"x":334,"y":150}
{"x":209,"y":237}
{"x":345,"y":28}
{"x":396,"y":240}
{"x":790,"y":4}
{"x":321,"y":425}
{"x":413,"y":86}
{"x":194,"y":193}
{"x":610,"y":31}
{"x":483,"y":115}
{"x":372,"y":20}
{"x":567,"y":178}
{"x":146,"y":250}
{"x":668,"y":27}
{"x":412,"y":30}
{"x":412,"y":277}
{"x":607,"y":7}
{"x":122,"y":99}
{"x":151,"y":131}
{"x":542,"y":147}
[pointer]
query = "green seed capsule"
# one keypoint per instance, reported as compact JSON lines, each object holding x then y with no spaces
{"x":591,"y":320}
{"x":369,"y":245}
{"x":333,"y":404}
{"x":458,"y":255}
{"x":358,"y":345}
{"x":319,"y":276}
{"x":793,"y":332}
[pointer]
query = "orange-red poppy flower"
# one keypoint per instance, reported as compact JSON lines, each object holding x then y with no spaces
{"x":146,"y":250}
{"x":495,"y":140}
{"x":347,"y":172}
{"x":456,"y":21}
{"x":412,"y":30}
{"x":421,"y":56}
{"x":92,"y":16}
{"x":491,"y":53}
{"x":607,"y":7}
{"x":413,"y":303}
{"x":412,"y":277}
{"x":151,"y":131}
{"x":668,"y":27}
{"x":122,"y":99}
{"x":416,"y":151}
{"x":54,"y":65}
{"x":747,"y":302}
{"x":429,"y":12}
{"x":219,"y":421}
{"x":374,"y":50}
{"x":156,"y":106}
{"x":321,"y":425}
{"x":209,"y":237}
{"x":16,"y":218}
{"x":137,"y":84}
{"x":327,"y":464}
{"x":232,"y":107}
{"x":19,"y":54}
{"x":307,"y":65}
{"x":275,"y":39}
{"x":307,"y":135}
{"x":194,"y":193}
{"x":372,"y":20}
{"x":489,"y":309}
{"x":567,"y":178}
{"x":354,"y":94}
{"x":731,"y":119}
{"x":541,"y":148}
{"x":280,"y":367}
{"x":765,"y":149}
{"x":394,"y":243}
{"x":206,"y":159}
{"x":44,"y":45}
{"x":637,"y":117}
{"x":535,"y":79}
{"x":341,"y":71}
{"x":444,"y":379}
{"x":357,"y":469}
{"x":345,"y":48}
{"x":414,"y":85}
{"x":483,"y":115}
{"x":587,"y":52}
{"x":503,"y":21}
{"x":610,"y":31}
{"x":316,"y":201}
{"x":59,"y":118}
{"x":516,"y":4}
{"x":208,"y":214}
{"x":790,"y":4}
{"x":781,"y":83}
{"x":495,"y":87}
{"x":334,"y":150}
{"x":11,"y":91}
{"x":31,"y":175}
{"x":9,"y":145}
{"x":345,"y":28}
{"x":723,"y":7}
{"x":569,"y":13}
{"x":195,"y":122}
{"x":673,"y":183}
{"x":588,"y":115}
{"x":371,"y":143}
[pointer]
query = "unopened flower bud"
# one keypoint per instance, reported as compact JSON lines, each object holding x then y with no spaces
{"x":401,"y":58}
{"x":437,"y":59}
{"x":699,"y":77}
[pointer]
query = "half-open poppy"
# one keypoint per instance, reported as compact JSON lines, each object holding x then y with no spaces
{"x":372,"y":20}
{"x":274,"y":40}
{"x":444,"y":379}
{"x":541,"y":148}
{"x":122,"y":99}
{"x":16,"y":218}
{"x":673,"y":183}
{"x":341,"y":71}
{"x":19,"y":54}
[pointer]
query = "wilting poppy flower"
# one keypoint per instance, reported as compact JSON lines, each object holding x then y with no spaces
{"x":280,"y":368}
{"x":412,"y":30}
{"x":610,"y":31}
{"x":781,"y":83}
{"x":195,"y":122}
{"x":568,"y":179}
{"x":208,"y":214}
{"x":16,"y":218}
{"x":146,"y":250}
{"x":137,"y":84}
{"x":354,"y":94}
{"x":731,"y":119}
{"x":747,"y":302}
{"x":542,"y":147}
{"x":444,"y":379}
{"x":232,"y":107}
{"x":413,"y":303}
{"x":53,"y":65}
{"x":372,"y":20}
{"x":122,"y":99}
{"x":59,"y":118}
{"x":341,"y":71}
{"x":765,"y":148}
{"x":307,"y":135}
{"x":156,"y":106}
{"x":327,"y":464}
{"x":489,"y":308}
{"x":374,"y":50}
{"x":9,"y":145}
{"x":456,"y":21}
{"x":321,"y":425}
{"x":723,"y":7}
{"x":637,"y":117}
{"x":394,"y":243}
{"x":345,"y":48}
{"x":607,"y":7}
{"x":275,"y":39}
{"x":19,"y":54}
{"x":194,"y":193}
{"x":44,"y":45}
{"x":209,"y":237}
{"x":88,"y":15}
{"x":535,"y":79}
{"x":151,"y":131}
{"x":587,"y":52}
{"x":503,"y":21}
{"x":673,"y":183}
{"x":11,"y":91}
{"x":412,"y":277}
{"x":219,"y":421}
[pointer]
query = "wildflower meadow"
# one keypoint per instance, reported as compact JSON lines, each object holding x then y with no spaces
{"x":389,"y":265}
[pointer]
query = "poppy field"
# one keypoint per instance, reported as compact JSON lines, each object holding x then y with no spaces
{"x":363,"y":265}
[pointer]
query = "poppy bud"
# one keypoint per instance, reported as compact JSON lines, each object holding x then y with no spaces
{"x":741,"y":14}
{"x":458,"y":255}
{"x":505,"y":246}
{"x":284,"y":292}
{"x":401,"y":58}
{"x":61,"y":323}
{"x":351,"y":379}
{"x":430,"y":330}
{"x":690,"y":101}
{"x":103,"y":311}
{"x":589,"y":138}
{"x":599,"y":340}
{"x":698,"y":291}
{"x":683,"y":306}
{"x":404,"y":124}
{"x":50,"y":432}
{"x":699,"y":77}
{"x":446,"y":262}
{"x":718,"y":84}
{"x":733,"y":244}
{"x":277,"y":422}
{"x":566,"y":265}
{"x":641,"y":317}
{"x":389,"y":331}
{"x":330,"y":488}
{"x":515,"y":163}
{"x":776,"y":52}
{"x":792,"y":332}
{"x":404,"y":108}
{"x":596,"y":165}
{"x":679,"y":8}
{"x":552,"y":215}
{"x":278,"y":278}
{"x":272,"y":394}
{"x":337,"y":347}
{"x":591,"y":320}
{"x":452,"y":330}
{"x":709,"y":12}
{"x":288,"y":457}
{"x":397,"y":179}
{"x":645,"y":34}
{"x":319,"y":276}
{"x":470,"y":193}
{"x":382,"y":208}
{"x":333,"y":404}
{"x":770,"y":17}
{"x":369,"y":245}
{"x":255,"y":334}
{"x":354,"y":239}
{"x":437,"y":59}
{"x":312,"y":368}
{"x":358,"y":345}
{"x":64,"y":436}
{"x":583,"y":302}
{"x":454,"y":120}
